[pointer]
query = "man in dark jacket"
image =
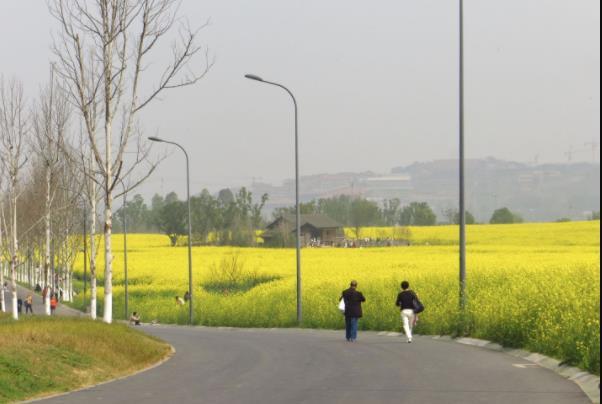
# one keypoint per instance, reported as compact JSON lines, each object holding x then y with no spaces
{"x":353,"y":310}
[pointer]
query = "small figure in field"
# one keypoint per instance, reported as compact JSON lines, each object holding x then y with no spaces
{"x":186,"y":297}
{"x":180,"y":301}
{"x":135,"y":318}
{"x":44,"y":293}
{"x":38,"y":288}
{"x":353,"y":310}
{"x":53,"y":304}
{"x":20,"y":305}
{"x":406,"y":302}
{"x":29,"y":304}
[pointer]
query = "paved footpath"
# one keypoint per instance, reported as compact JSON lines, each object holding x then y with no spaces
{"x":38,"y":304}
{"x":231,"y":366}
{"x":299,"y":366}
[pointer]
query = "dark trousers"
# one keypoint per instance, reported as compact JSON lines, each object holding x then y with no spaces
{"x":28,"y":308}
{"x":351,"y":325}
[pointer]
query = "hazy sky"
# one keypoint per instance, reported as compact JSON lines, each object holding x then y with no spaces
{"x":376,"y":83}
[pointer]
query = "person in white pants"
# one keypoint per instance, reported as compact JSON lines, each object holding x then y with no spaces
{"x":408,"y":316}
{"x":405,"y":301}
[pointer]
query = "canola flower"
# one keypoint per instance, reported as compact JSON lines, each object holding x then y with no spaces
{"x":534,"y":286}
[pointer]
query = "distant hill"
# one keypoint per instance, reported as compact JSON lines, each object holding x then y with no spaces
{"x":538,"y":192}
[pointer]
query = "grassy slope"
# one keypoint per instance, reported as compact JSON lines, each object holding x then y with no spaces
{"x":41,"y":356}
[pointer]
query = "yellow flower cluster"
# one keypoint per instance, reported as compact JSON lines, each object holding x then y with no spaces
{"x":535,"y":286}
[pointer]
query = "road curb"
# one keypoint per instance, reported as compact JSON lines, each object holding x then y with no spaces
{"x":168,"y":357}
{"x":589,"y":383}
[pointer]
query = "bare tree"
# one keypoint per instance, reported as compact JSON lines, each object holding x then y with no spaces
{"x":50,"y":124}
{"x":83,"y":178}
{"x":68,"y":244}
{"x":13,"y":132}
{"x":2,"y":250}
{"x":102,"y":51}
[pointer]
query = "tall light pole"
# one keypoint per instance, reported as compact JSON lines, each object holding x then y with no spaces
{"x":297,"y":205}
{"x":190,"y":301}
{"x":462,"y":168}
{"x":125,"y":250}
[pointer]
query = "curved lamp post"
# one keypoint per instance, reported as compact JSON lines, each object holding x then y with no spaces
{"x":297,"y":206}
{"x":190,"y":305}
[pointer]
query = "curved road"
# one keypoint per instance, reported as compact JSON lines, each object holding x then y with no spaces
{"x":297,"y":366}
{"x":229,"y":366}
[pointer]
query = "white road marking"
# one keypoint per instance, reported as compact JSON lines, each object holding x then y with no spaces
{"x":525,"y":365}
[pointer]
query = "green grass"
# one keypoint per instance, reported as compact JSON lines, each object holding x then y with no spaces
{"x":41,"y":356}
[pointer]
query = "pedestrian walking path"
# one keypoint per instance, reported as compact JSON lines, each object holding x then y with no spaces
{"x":224,"y":366}
{"x":38,"y":304}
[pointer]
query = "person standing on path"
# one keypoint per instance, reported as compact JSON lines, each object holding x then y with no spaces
{"x":29,"y":304}
{"x":353,"y":310}
{"x":405,"y":301}
{"x":53,"y":303}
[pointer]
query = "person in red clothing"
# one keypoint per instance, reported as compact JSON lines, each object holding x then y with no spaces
{"x":53,"y":304}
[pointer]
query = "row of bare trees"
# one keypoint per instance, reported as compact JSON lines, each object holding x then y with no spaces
{"x":69,"y":150}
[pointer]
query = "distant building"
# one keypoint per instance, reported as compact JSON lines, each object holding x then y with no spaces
{"x":316,"y":230}
{"x":387,"y":187}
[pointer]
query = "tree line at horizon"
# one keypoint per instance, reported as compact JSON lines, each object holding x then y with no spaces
{"x":233,"y":218}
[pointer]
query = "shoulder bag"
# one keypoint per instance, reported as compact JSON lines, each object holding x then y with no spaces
{"x":417,"y":304}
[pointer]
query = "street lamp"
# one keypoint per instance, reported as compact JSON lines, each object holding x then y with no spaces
{"x":462,"y":168}
{"x":125,"y":248}
{"x":190,"y":301}
{"x":297,"y":205}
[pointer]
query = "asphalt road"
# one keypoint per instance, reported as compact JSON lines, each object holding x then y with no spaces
{"x":38,"y":304}
{"x":228,"y":366}
{"x":231,"y":366}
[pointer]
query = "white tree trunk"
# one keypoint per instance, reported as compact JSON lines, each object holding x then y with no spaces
{"x":93,"y":291}
{"x":47,"y":274}
{"x":108,"y":302}
{"x":108,"y":193}
{"x":66,"y":287}
{"x":71,"y":285}
{"x":2,"y":298}
{"x":15,"y":249}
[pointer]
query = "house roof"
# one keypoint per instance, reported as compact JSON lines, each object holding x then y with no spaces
{"x":318,"y":221}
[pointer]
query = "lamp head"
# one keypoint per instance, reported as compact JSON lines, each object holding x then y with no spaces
{"x":253,"y":77}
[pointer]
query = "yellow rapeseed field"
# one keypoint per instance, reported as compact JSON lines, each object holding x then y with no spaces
{"x":535,"y":286}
